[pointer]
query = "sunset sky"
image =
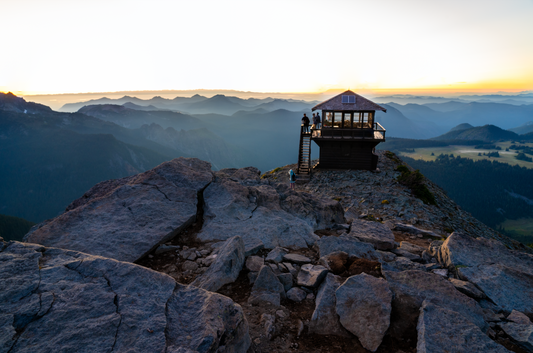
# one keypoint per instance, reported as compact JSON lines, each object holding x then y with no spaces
{"x":67,"y":46}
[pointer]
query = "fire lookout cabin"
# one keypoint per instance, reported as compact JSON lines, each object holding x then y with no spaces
{"x":347,"y":136}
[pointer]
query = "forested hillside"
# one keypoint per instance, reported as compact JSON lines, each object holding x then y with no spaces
{"x":13,"y":228}
{"x":491,"y":191}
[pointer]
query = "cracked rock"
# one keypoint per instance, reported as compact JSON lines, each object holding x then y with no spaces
{"x":126,"y":218}
{"x":62,"y":298}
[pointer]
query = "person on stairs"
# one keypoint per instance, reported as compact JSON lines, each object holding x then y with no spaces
{"x":292,"y":179}
{"x":305,"y":123}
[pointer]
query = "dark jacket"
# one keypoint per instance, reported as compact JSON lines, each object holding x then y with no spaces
{"x":305,"y":120}
{"x":316,"y":120}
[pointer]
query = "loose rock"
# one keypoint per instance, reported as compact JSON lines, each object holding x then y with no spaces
{"x":311,"y":276}
{"x":226,"y":267}
{"x":364,"y":308}
{"x":467,"y":288}
{"x":297,"y":259}
{"x":325,"y":320}
{"x":267,"y":288}
{"x":296,"y":294}
{"x":350,"y":245}
{"x":254,"y":263}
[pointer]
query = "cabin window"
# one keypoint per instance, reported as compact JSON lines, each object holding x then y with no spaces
{"x":348,"y":99}
{"x":357,"y":120}
{"x":347,"y":120}
{"x":328,"y":119}
{"x":366,"y":122}
{"x":337,"y":119}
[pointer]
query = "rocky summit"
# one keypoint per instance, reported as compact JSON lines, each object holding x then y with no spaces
{"x":184,"y":259}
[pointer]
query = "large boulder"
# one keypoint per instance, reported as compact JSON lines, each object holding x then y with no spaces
{"x":226,"y":268}
{"x":505,"y":276}
{"x":267,"y":288}
{"x":52,"y":298}
{"x":348,"y":244}
{"x":325,"y":320}
{"x":241,"y":204}
{"x":375,"y":233}
{"x":364,"y":308}
{"x":444,"y":330}
{"x":125,"y":219}
{"x":520,"y":329}
{"x":412,"y":287}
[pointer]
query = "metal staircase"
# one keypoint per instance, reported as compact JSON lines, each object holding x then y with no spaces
{"x":304,"y":153}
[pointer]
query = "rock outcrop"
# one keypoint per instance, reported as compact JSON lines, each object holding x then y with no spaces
{"x":505,"y":276}
{"x":65,"y":300}
{"x":238,"y":202}
{"x":125,"y":219}
{"x":412,"y":287}
{"x":375,"y":233}
{"x":444,"y":330}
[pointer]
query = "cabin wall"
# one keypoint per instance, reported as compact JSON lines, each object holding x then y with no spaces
{"x":347,"y":155}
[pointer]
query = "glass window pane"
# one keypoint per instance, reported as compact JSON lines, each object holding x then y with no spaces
{"x":328,"y":119}
{"x":337,"y":121}
{"x":347,"y":124}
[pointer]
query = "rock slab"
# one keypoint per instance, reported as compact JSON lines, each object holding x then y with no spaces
{"x":124,"y":219}
{"x":411,"y":288}
{"x":52,"y":298}
{"x":226,"y":268}
{"x":364,"y":308}
{"x":238,"y":203}
{"x":348,"y":244}
{"x":375,"y":233}
{"x":444,"y":330}
{"x":505,"y":276}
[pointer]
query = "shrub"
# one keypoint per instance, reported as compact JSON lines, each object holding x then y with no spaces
{"x":415,"y":182}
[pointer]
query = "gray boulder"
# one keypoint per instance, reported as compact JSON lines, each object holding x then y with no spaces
{"x":412,"y":248}
{"x":286,"y":279}
{"x":348,"y":244}
{"x":375,"y":233}
{"x":267,"y":288}
{"x":401,"y":264}
{"x":411,"y":288}
{"x":126,"y":218}
{"x":254,"y":263}
{"x":276,"y":254}
{"x":242,"y":205}
{"x":311,"y":276}
{"x":520,"y":329}
{"x":252,"y":246}
{"x":444,"y":330}
{"x":505,"y":276}
{"x":407,"y":254}
{"x":52,"y":298}
{"x":296,"y":294}
{"x":225,"y":269}
{"x":408,"y":228}
{"x":297,"y":259}
{"x":467,"y":288}
{"x":325,"y":320}
{"x":364,"y":308}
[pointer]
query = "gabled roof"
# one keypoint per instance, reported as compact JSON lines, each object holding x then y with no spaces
{"x":361,"y":103}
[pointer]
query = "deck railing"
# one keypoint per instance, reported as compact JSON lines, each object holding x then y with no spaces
{"x":377,"y":132}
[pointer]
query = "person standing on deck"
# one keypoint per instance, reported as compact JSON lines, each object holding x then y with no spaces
{"x":305,"y":123}
{"x":316,"y":121}
{"x":292,"y":179}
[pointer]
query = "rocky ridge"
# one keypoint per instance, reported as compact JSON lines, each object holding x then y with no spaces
{"x":306,"y":273}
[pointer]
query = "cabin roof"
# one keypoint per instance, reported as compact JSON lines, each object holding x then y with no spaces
{"x":335,"y":103}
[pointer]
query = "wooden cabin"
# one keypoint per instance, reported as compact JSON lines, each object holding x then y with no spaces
{"x":347,"y":136}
